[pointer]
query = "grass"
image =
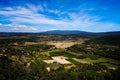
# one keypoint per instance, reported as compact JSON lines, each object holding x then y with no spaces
{"x":73,"y":61}
{"x":62,"y":53}
{"x":108,"y":65}
{"x":91,"y":56}
{"x":45,"y":53}
{"x":77,"y":54}
{"x":99,"y":60}
{"x":114,"y":62}
{"x":44,"y":57}
{"x":82,"y":61}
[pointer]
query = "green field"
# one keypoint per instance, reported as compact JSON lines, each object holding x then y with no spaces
{"x":78,"y":59}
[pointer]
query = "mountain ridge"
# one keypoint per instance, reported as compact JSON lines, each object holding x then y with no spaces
{"x":66,"y":32}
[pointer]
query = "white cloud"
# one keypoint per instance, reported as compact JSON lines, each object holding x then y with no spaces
{"x":23,"y":28}
{"x":22,"y":15}
{"x":0,"y":24}
{"x":19,"y":28}
{"x":6,"y":25}
{"x":30,"y":15}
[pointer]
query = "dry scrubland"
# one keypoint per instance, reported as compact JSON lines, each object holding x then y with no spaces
{"x":57,"y":44}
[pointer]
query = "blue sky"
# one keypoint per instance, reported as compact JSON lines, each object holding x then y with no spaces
{"x":44,"y":15}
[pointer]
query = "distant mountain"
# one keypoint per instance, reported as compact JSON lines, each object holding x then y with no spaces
{"x":109,"y":33}
{"x":66,"y":32}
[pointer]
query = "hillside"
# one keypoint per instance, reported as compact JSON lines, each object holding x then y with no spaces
{"x":108,"y":40}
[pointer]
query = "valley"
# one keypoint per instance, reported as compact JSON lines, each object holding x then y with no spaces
{"x":60,"y":55}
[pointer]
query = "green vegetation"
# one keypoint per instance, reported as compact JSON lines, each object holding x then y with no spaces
{"x":106,"y":40}
{"x":91,"y":56}
{"x":62,"y":53}
{"x":44,"y":57}
{"x":73,"y":61}
{"x":93,"y":60}
{"x":96,"y":49}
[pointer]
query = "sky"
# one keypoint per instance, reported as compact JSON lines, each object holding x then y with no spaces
{"x":45,"y":15}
